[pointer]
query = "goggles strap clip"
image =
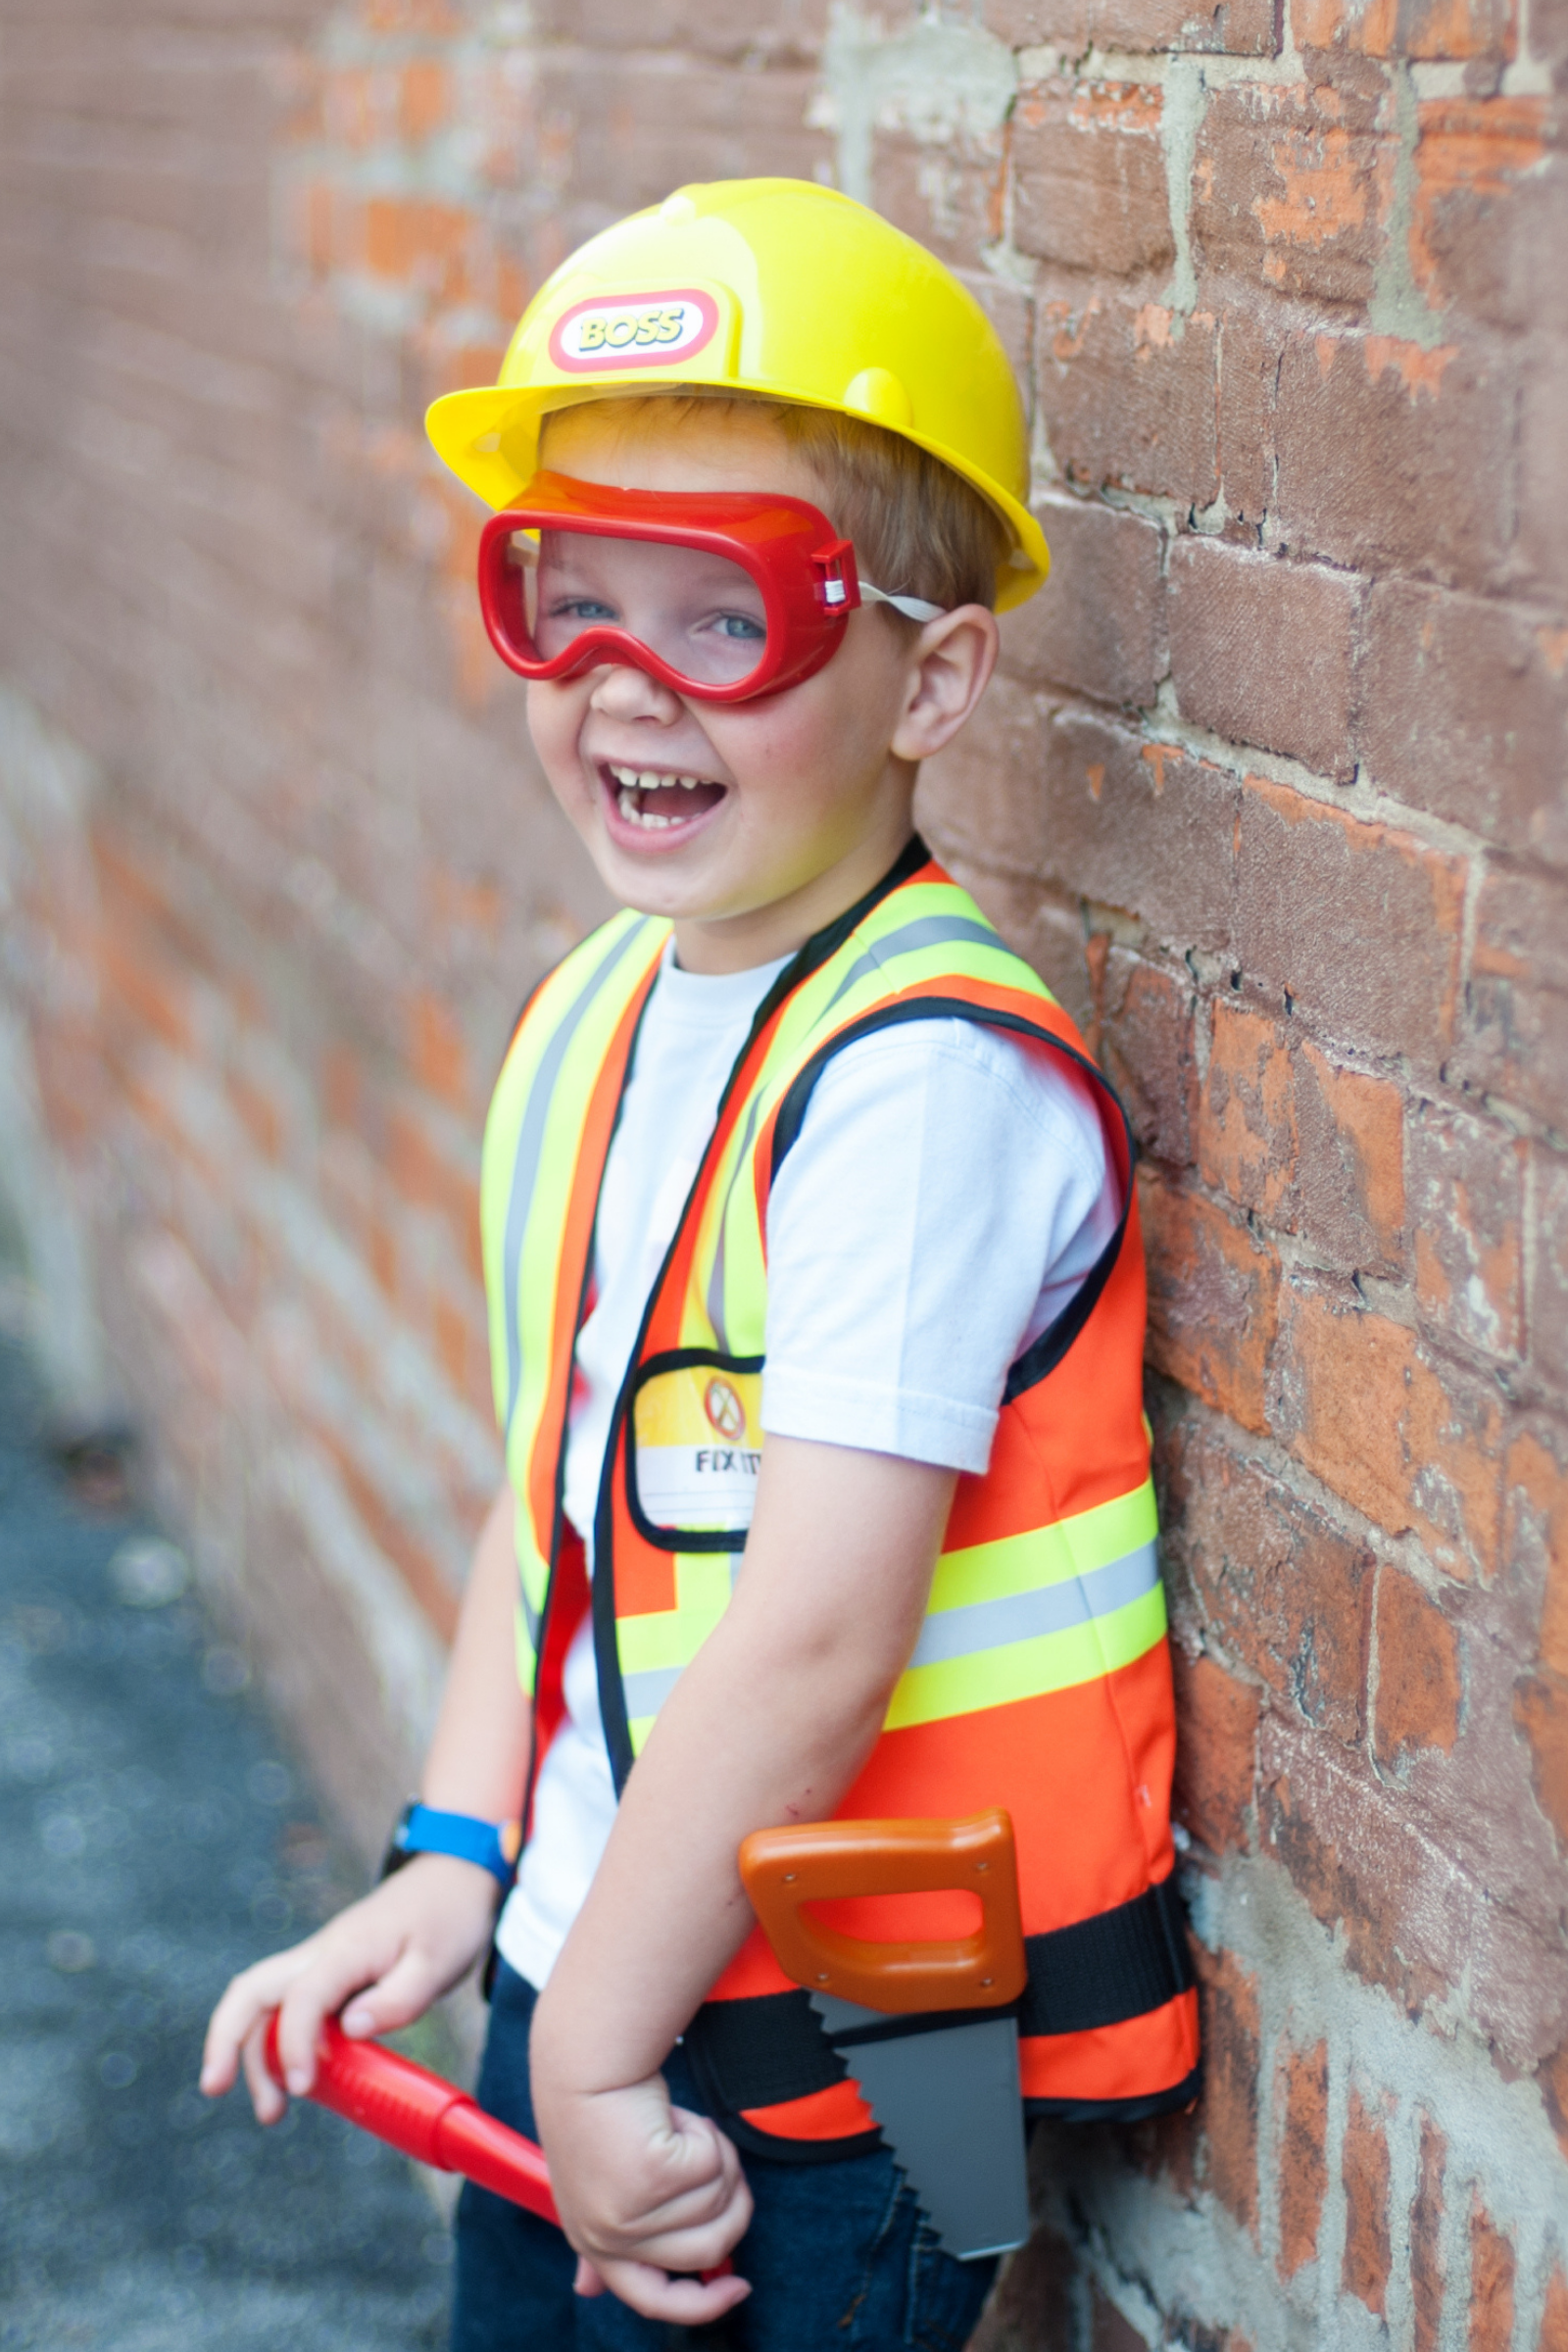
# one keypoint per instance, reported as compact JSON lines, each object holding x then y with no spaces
{"x":839,"y":588}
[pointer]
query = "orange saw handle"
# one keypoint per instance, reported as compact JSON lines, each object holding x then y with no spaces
{"x":822,"y":1861}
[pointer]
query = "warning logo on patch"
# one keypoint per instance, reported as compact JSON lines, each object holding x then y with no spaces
{"x":724,"y":1409}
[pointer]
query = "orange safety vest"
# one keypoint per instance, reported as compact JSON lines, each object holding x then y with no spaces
{"x":1041,"y":1679}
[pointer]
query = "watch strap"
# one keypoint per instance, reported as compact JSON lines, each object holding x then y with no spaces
{"x":426,"y":1830}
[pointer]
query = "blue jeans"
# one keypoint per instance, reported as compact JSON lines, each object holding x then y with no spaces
{"x":837,"y":2253}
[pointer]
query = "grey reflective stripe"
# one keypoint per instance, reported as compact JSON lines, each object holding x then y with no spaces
{"x":647,"y":1692}
{"x":927,"y":931}
{"x":1048,"y":1609}
{"x":530,"y":1615}
{"x":716,"y":1279}
{"x":530,"y":1143}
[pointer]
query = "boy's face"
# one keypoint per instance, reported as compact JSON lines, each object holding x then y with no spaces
{"x":760,"y":820}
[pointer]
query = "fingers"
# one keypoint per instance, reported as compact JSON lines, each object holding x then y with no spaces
{"x":680,"y":2302}
{"x":266,"y":2099}
{"x":404,"y":1993}
{"x":247,"y":2003}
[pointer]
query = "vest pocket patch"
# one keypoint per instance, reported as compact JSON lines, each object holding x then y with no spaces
{"x":694,"y":1446}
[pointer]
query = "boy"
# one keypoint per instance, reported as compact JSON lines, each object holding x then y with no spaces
{"x":798,"y":1102}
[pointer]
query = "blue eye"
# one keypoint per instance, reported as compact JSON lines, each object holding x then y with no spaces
{"x":581,"y":608}
{"x":742,"y":628}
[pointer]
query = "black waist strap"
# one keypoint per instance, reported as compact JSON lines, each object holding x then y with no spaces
{"x":1098,"y":1972}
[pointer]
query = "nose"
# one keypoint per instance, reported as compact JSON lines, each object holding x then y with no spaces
{"x":622,"y":692}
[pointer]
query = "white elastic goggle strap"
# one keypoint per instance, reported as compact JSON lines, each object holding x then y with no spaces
{"x":914,"y":608}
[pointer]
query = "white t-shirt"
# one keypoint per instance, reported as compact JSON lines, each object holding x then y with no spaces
{"x":943,"y":1201}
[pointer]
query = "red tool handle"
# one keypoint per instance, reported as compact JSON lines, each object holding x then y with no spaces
{"x":424,"y":2116}
{"x":427,"y":2118}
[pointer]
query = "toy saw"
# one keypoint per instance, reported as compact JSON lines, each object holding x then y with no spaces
{"x":946,"y":2096}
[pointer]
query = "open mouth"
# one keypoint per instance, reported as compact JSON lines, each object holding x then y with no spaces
{"x":658,"y":803}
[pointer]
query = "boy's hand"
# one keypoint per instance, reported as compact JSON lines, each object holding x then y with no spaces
{"x":645,"y":2190}
{"x":406,"y":1942}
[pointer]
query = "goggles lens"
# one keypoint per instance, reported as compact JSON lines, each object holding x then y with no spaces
{"x":701,"y":614}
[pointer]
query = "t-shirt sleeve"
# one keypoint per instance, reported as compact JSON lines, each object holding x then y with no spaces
{"x":943,"y":1201}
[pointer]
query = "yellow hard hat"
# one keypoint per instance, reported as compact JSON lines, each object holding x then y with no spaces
{"x":774,"y":287}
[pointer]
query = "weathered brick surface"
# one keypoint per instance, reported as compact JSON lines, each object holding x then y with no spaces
{"x":1271,"y":790}
{"x":1264,"y":651}
{"x":1098,"y":623}
{"x":1364,"y":2164}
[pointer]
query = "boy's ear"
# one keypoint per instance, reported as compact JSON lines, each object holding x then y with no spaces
{"x":950,"y":664}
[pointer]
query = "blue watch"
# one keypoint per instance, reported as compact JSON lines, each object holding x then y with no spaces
{"x":424,"y":1829}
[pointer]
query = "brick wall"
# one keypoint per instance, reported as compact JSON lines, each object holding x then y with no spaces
{"x":1272,"y":789}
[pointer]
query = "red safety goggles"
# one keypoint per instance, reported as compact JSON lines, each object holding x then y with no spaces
{"x":722,"y":596}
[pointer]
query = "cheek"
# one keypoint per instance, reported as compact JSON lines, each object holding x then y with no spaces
{"x":555,"y":722}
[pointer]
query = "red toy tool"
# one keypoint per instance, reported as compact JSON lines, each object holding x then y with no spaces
{"x":423,"y":2115}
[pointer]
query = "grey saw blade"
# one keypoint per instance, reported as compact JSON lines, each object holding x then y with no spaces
{"x":948,"y":2102}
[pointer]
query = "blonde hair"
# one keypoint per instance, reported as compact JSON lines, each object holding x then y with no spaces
{"x":919,"y":529}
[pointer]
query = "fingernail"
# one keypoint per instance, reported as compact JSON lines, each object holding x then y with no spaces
{"x":357,"y":2021}
{"x":298,"y":2080}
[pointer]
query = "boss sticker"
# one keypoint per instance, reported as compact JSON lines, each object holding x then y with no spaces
{"x":641,"y":330}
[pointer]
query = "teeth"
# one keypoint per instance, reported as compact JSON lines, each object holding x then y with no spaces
{"x":646,"y":817}
{"x":644,"y":779}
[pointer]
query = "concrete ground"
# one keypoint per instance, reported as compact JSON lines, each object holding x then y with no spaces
{"x":154,"y":1838}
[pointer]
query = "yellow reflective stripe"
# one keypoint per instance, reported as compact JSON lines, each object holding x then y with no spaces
{"x":996,"y":1678}
{"x":529,"y":1082}
{"x":656,"y":1650}
{"x":1046,"y":1556}
{"x":544,"y":1168}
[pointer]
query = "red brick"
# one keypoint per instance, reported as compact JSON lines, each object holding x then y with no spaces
{"x":1216,"y":1752}
{"x":1486,"y":211}
{"x":1517,"y":1002}
{"x":1127,"y":395}
{"x":1313,"y":1149}
{"x":1466,"y":1192}
{"x":1466,"y":713}
{"x":1089,"y":178}
{"x":1140,"y":826}
{"x":1240,"y":27}
{"x":1415,"y":28}
{"x":1419,"y":1689}
{"x":1355,"y":923}
{"x":1364,"y":2171}
{"x":1249,"y":362}
{"x":1549,"y":1257}
{"x":1543,"y":551}
{"x":953,"y":201}
{"x":1274,"y":1586}
{"x":1098,"y":625}
{"x":1553,"y":2336}
{"x":1293,"y":185}
{"x":1415,"y":1448}
{"x":984,"y":798}
{"x":1301,"y":2096}
{"x":1033,"y":2298}
{"x":1108,"y":2332}
{"x":1264,"y":651}
{"x":1231,"y":2058}
{"x":1146,"y":1046}
{"x":1027,"y":24}
{"x":1212,"y":1301}
{"x":1395,"y":457}
{"x":1427,"y":2277}
{"x":1540,"y":1709}
{"x":1492,"y":2280}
